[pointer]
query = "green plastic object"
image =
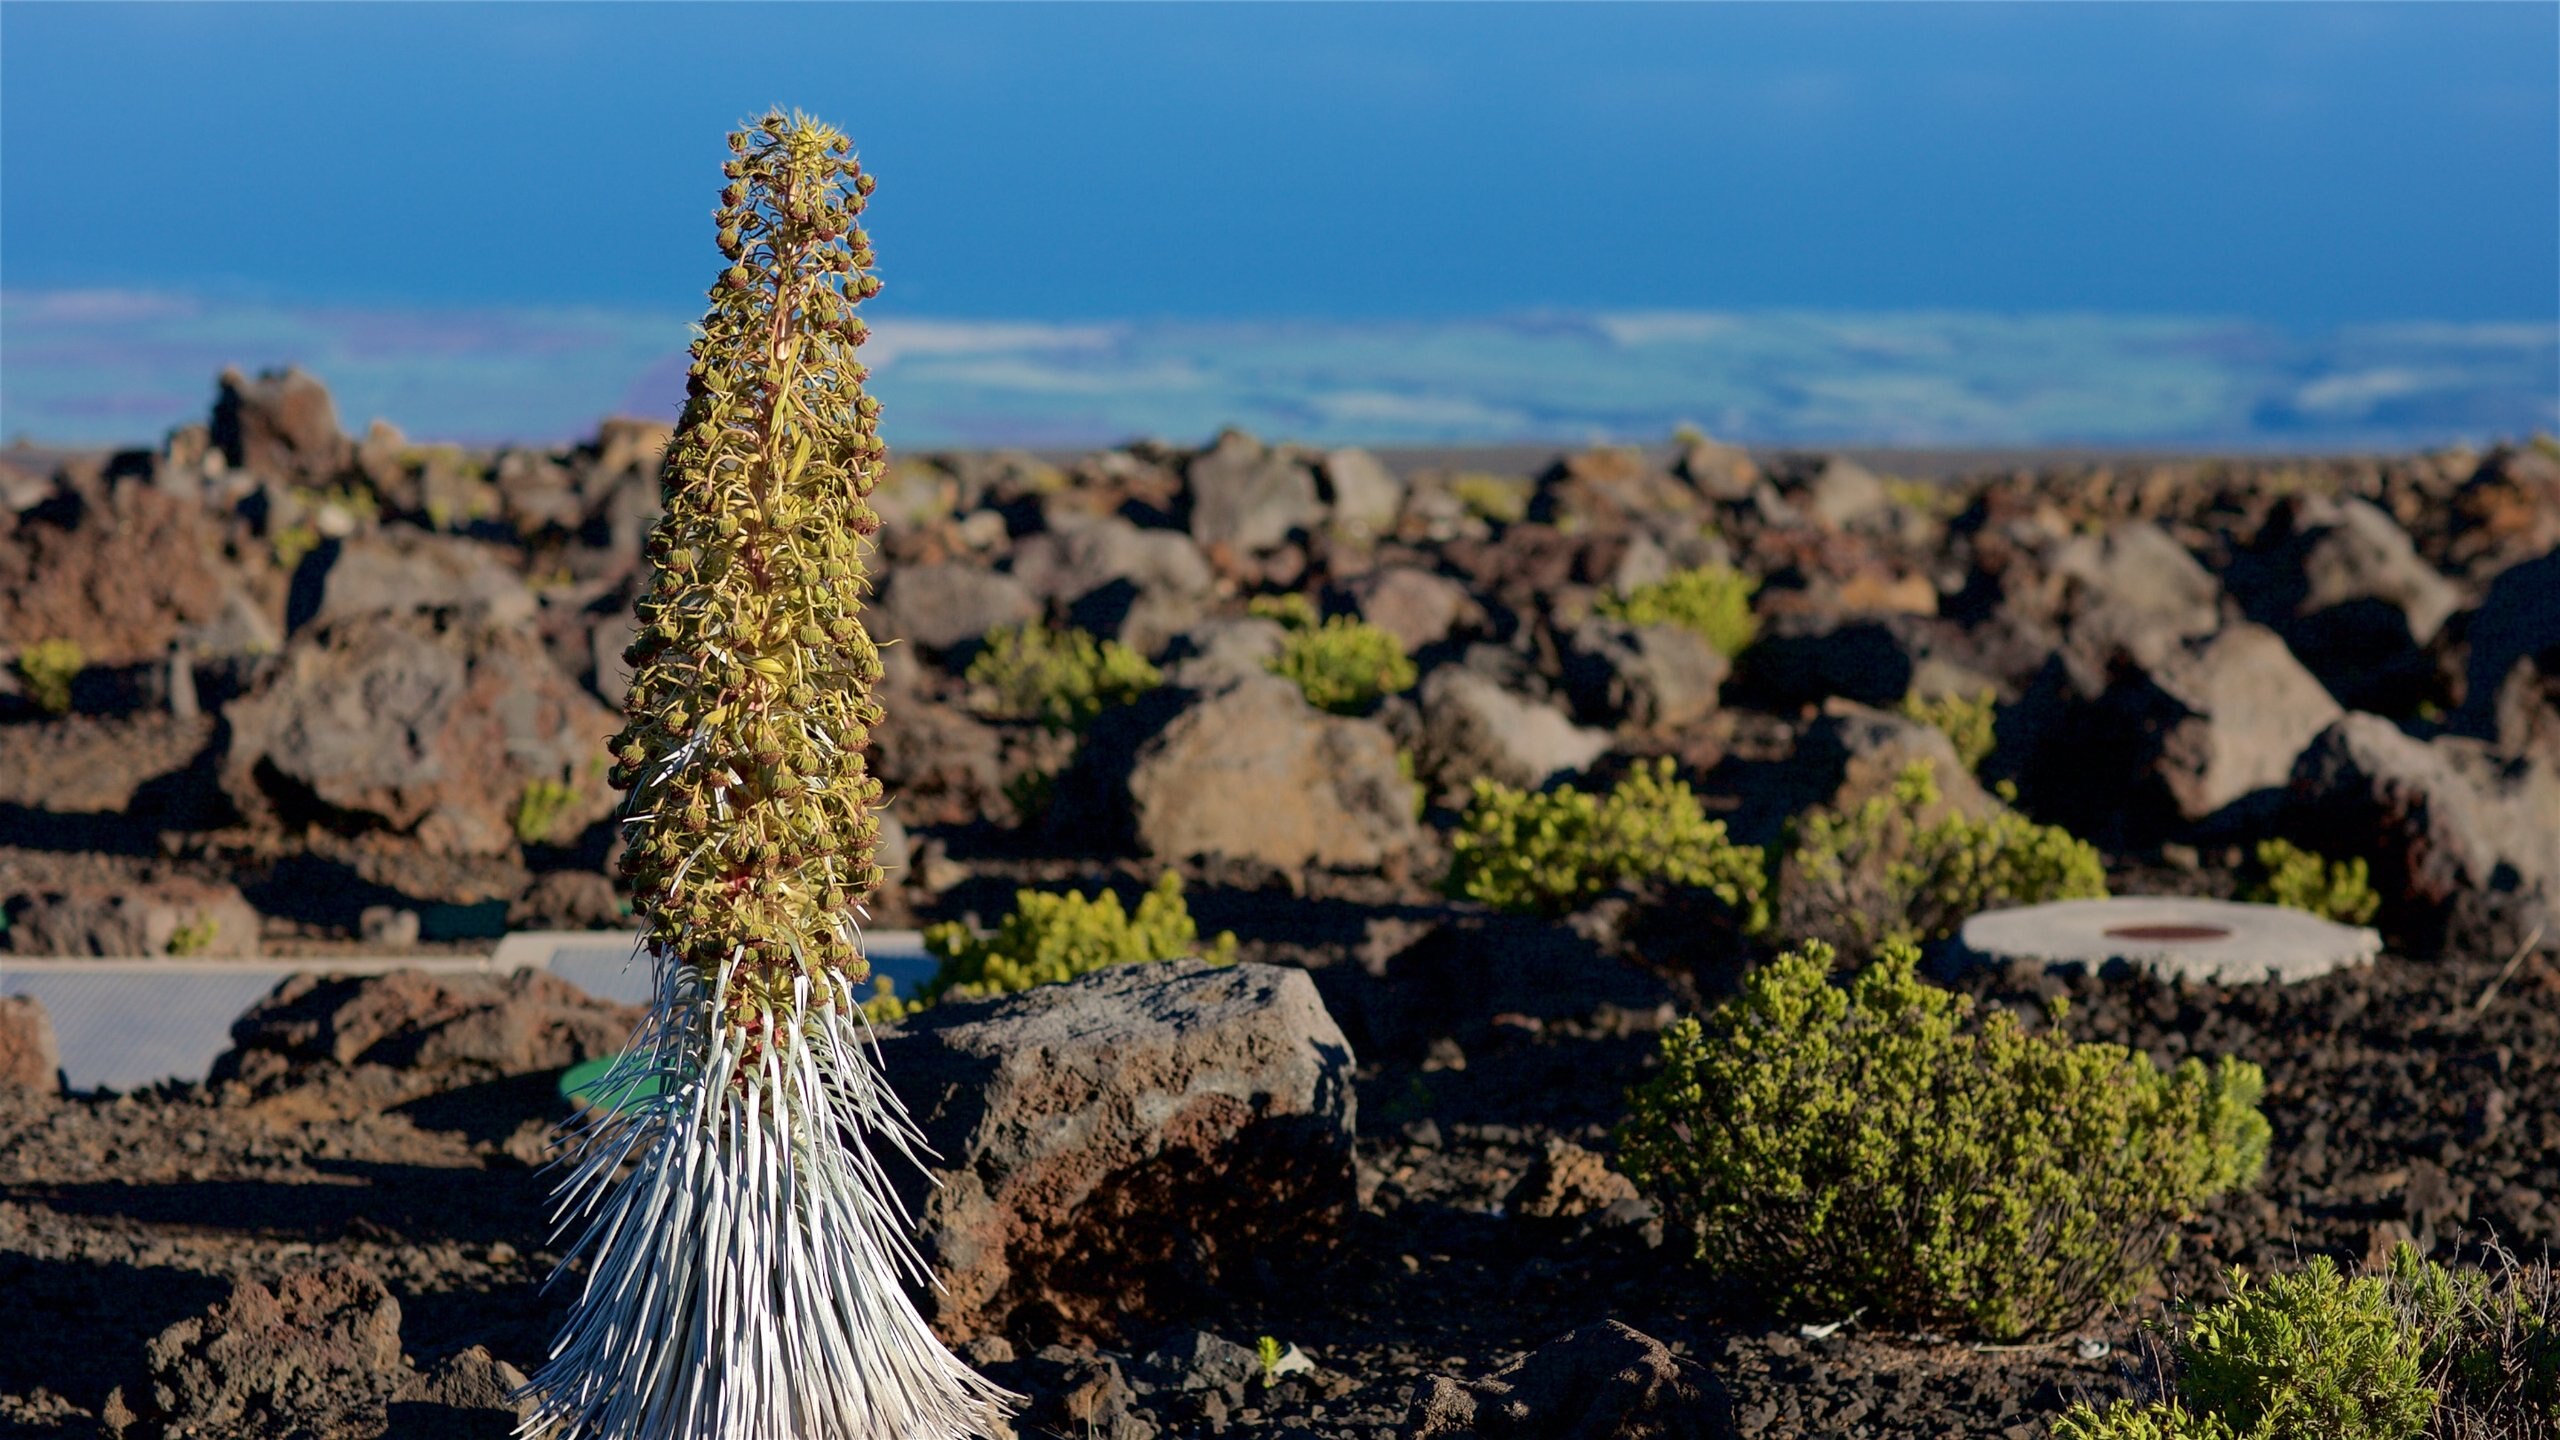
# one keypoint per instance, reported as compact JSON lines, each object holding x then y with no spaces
{"x":583,"y":1085}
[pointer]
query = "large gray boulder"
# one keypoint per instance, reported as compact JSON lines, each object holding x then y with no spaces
{"x":1473,"y":729}
{"x":400,"y":571}
{"x":1414,"y":605}
{"x":434,"y":732}
{"x":945,"y":605}
{"x":1247,"y":497}
{"x":2238,"y":710}
{"x":1365,"y":495}
{"x":2341,"y":581}
{"x":2434,"y":819}
{"x":1111,"y":1150}
{"x":2135,"y":591}
{"x":2352,"y":551}
{"x":1255,"y":772}
{"x":2178,"y":734}
{"x":1653,"y":676}
{"x":1079,"y":558}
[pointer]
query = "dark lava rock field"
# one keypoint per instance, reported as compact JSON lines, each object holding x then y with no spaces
{"x":337,"y":695}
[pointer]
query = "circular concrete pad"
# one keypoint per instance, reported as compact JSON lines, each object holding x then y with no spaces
{"x":2169,"y":937}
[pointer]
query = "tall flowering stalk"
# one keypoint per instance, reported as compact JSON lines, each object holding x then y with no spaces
{"x":745,"y":1278}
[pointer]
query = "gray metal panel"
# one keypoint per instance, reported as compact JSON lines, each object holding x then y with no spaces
{"x":123,"y":1030}
{"x":124,"y":1024}
{"x":611,"y":967}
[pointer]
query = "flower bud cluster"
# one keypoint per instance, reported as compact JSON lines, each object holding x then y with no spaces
{"x":752,"y":830}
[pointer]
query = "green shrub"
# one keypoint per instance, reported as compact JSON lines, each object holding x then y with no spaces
{"x":1551,"y":852}
{"x":2423,"y":1349}
{"x":49,"y":667}
{"x":1058,"y":678}
{"x":1877,"y":1149}
{"x":1712,"y":600}
{"x":1346,"y":666}
{"x":1289,"y":610}
{"x":2124,"y":1420}
{"x":1501,"y":499}
{"x":540,"y":809}
{"x":1049,"y":938}
{"x":1883,"y":872}
{"x":196,"y":936}
{"x":2311,"y":1353}
{"x":2293,"y":877}
{"x":2493,"y":1350}
{"x":1966,"y":721}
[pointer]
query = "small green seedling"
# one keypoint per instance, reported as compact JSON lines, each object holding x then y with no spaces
{"x":1552,"y":852}
{"x":1061,"y":679}
{"x":2288,"y":875}
{"x":49,"y":667}
{"x":1711,"y":601}
{"x":1345,"y":666}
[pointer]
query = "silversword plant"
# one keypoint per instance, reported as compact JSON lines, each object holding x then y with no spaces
{"x":745,"y":1255}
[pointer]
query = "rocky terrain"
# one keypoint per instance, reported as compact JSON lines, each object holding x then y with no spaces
{"x":333,"y":694}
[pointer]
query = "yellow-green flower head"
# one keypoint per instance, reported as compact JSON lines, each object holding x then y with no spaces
{"x":751,"y":831}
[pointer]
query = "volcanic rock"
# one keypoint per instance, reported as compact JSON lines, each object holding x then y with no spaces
{"x":2135,"y":592}
{"x":2400,"y":803}
{"x":30,"y":1058}
{"x":440,"y":1029}
{"x":1473,"y":727}
{"x":435,"y":732}
{"x":1215,"y":654}
{"x":947,"y":605}
{"x":467,"y":1396}
{"x":1254,"y":772}
{"x":2352,"y":597}
{"x":1653,"y":676}
{"x":172,"y":916}
{"x":281,"y":426}
{"x":317,"y":1354}
{"x":1112,"y":1149}
{"x":1601,"y":1382}
{"x":1365,"y":495}
{"x":404,"y":571}
{"x":119,"y":572}
{"x":2518,"y":620}
{"x":1414,"y":605}
{"x":1568,"y":1182}
{"x":1249,"y":498}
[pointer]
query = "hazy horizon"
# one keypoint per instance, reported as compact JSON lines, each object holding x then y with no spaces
{"x":2241,"y":226}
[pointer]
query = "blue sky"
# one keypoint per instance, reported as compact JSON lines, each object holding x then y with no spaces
{"x":2305,"y":168}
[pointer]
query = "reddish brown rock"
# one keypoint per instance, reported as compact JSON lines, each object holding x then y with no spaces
{"x":1255,"y":772}
{"x":29,"y":1058}
{"x":118,"y":571}
{"x":281,"y":426}
{"x":436,"y":732}
{"x":316,"y":1354}
{"x":174,"y":916}
{"x":1569,"y":1182}
{"x":1112,"y":1148}
{"x":1601,"y":1382}
{"x":443,"y":1028}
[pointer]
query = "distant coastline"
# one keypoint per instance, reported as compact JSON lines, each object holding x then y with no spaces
{"x":87,"y":368}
